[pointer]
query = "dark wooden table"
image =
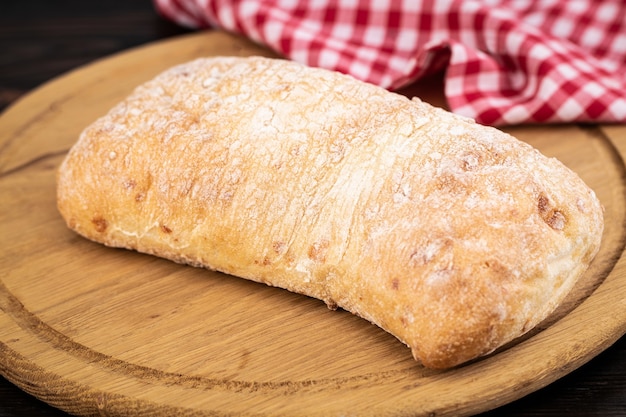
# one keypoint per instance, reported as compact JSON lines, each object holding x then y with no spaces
{"x":41,"y":39}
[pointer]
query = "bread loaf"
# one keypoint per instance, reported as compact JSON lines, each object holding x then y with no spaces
{"x":454,"y":237}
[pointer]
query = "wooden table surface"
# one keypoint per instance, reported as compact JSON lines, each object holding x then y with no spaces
{"x":40,"y":40}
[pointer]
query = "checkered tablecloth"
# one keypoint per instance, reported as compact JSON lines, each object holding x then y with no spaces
{"x":505,"y":61}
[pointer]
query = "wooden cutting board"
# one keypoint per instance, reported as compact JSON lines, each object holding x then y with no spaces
{"x":100,"y":331}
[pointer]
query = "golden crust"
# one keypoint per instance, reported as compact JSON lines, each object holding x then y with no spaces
{"x":454,"y":237}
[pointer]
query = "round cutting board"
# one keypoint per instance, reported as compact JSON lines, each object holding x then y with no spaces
{"x":100,"y":331}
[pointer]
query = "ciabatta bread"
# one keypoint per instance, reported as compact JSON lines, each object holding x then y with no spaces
{"x":454,"y":237}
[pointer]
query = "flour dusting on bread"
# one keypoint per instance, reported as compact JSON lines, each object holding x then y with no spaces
{"x":454,"y":237}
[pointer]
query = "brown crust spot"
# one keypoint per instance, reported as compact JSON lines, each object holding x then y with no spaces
{"x":543,"y":204}
{"x":100,"y":224}
{"x":265,"y":262}
{"x":278,"y":246}
{"x":317,"y":251}
{"x":556,"y":220}
{"x":553,"y":217}
{"x":165,"y":229}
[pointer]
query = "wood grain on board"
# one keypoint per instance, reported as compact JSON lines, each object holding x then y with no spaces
{"x":94,"y":330}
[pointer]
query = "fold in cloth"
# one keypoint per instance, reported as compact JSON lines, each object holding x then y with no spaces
{"x":505,"y":62}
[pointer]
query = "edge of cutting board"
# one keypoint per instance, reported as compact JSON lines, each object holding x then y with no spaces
{"x":51,"y":348}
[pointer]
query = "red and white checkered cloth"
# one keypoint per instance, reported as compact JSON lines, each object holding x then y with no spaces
{"x":506,"y":61}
